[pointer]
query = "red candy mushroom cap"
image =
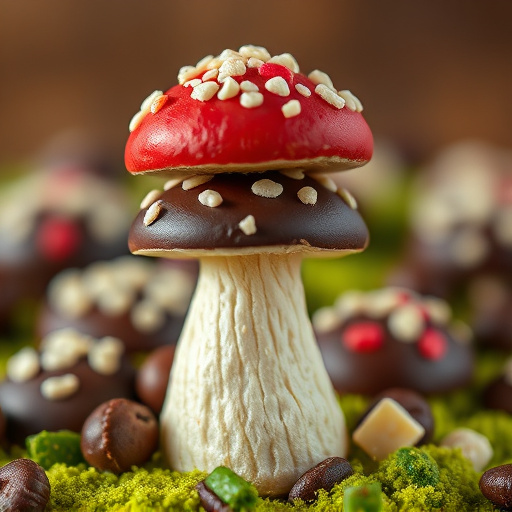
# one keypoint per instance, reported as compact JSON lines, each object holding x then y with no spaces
{"x":271,"y":117}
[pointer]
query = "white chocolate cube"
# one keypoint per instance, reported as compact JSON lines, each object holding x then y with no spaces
{"x":387,"y":428}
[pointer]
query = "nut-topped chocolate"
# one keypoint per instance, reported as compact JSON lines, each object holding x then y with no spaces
{"x":393,"y":337}
{"x":57,"y":387}
{"x":238,"y":136}
{"x":265,"y":210}
{"x":141,"y":303}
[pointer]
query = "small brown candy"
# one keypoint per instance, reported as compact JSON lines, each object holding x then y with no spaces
{"x":323,"y":476}
{"x":496,"y":486}
{"x":119,"y":434}
{"x":209,"y":500}
{"x":413,"y":403}
{"x":153,"y":377}
{"x":24,"y":487}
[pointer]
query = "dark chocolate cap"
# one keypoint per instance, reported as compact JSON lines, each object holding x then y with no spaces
{"x":302,"y":214}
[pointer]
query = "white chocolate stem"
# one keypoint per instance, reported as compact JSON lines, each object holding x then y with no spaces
{"x":248,"y":387}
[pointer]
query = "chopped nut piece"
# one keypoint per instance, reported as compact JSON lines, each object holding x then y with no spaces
{"x":229,"y":54}
{"x":287,"y":60}
{"x":105,"y":355}
{"x":195,"y":181}
{"x":146,"y":104}
{"x":172,"y":183}
{"x":147,"y":317}
{"x":255,"y":52}
{"x":152,"y":213}
{"x":387,"y":428}
{"x":210,"y":75}
{"x":302,"y":89}
{"x":150,"y":198}
{"x":231,"y":67}
{"x":24,"y":365}
{"x":277,"y":85}
{"x":248,"y":225}
{"x":186,"y":73}
{"x":352,"y":101}
{"x":254,"y":63}
{"x":251,"y":99}
{"x":308,"y":195}
{"x":158,"y":103}
{"x":136,"y":120}
{"x":329,"y":96}
{"x":230,"y":88}
{"x":210,"y":198}
{"x":406,"y":323}
{"x":291,"y":109}
{"x":438,"y":309}
{"x":325,"y":181}
{"x":319,"y":77}
{"x":347,"y":197}
{"x":267,"y":188}
{"x":58,"y":388}
{"x":205,"y":91}
{"x":294,"y":174}
{"x":248,"y":86}
{"x":203,"y":64}
{"x":326,"y":319}
{"x":474,"y":446}
{"x":192,"y":83}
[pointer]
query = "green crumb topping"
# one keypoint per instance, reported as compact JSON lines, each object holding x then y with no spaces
{"x":232,"y":489}
{"x":416,"y":467}
{"x":364,"y":498}
{"x":48,"y":448}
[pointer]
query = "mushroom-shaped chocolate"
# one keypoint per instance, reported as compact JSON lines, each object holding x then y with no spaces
{"x":248,"y":388}
{"x":393,"y":337}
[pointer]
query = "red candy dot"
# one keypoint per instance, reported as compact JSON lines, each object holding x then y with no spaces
{"x":363,"y":337}
{"x":57,"y":238}
{"x":432,"y":345}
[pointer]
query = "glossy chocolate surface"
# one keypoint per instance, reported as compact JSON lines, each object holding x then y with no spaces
{"x":186,"y":224}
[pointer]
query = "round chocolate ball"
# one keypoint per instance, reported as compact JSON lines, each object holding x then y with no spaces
{"x":119,"y":434}
{"x":153,"y":376}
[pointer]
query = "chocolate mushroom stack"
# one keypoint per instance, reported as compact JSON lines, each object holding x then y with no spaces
{"x":243,"y":140}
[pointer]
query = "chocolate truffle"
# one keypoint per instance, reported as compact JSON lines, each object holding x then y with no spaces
{"x":393,"y":337}
{"x":58,"y":387}
{"x":141,"y":303}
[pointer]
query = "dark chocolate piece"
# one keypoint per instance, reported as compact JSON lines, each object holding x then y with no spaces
{"x":324,"y":475}
{"x":184,"y":223}
{"x":119,"y":434}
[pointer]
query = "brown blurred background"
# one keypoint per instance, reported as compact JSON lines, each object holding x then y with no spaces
{"x":428,"y":73}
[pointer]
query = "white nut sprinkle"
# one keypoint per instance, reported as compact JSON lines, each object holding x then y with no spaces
{"x":254,"y":63}
{"x":205,"y":91}
{"x":329,"y":96}
{"x":150,"y":198}
{"x":319,"y":77}
{"x":326,"y":182}
{"x":302,"y":89}
{"x":146,"y":104}
{"x":255,"y":52}
{"x":68,"y":295}
{"x":210,"y":75}
{"x":291,"y":109}
{"x":277,"y":85}
{"x":147,"y":317}
{"x":406,"y":323}
{"x":136,"y":120}
{"x":294,"y":174}
{"x":192,"y":83}
{"x":172,"y":183}
{"x":195,"y":181}
{"x":248,"y":86}
{"x":203,"y":64}
{"x":352,"y":101}
{"x":231,"y":67}
{"x":438,"y":309}
{"x":347,"y":197}
{"x":325,"y":319}
{"x":185,"y":73}
{"x":210,"y":198}
{"x":105,"y":355}
{"x":24,"y":365}
{"x":474,"y":446}
{"x":267,"y":188}
{"x":287,"y":60}
{"x":308,"y":195}
{"x":115,"y":301}
{"x":229,"y":54}
{"x":230,"y":88}
{"x":380,"y":303}
{"x":157,"y":103}
{"x":63,"y":349}
{"x":152,"y":213}
{"x":251,"y":99}
{"x":248,"y":225}
{"x":61,"y":387}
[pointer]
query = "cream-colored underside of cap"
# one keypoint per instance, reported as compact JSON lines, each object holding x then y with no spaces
{"x":311,"y":165}
{"x":308,"y":251}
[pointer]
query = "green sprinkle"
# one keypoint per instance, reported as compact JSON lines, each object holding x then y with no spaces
{"x":418,"y":467}
{"x":48,"y":448}
{"x":363,"y":498}
{"x":232,"y":489}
